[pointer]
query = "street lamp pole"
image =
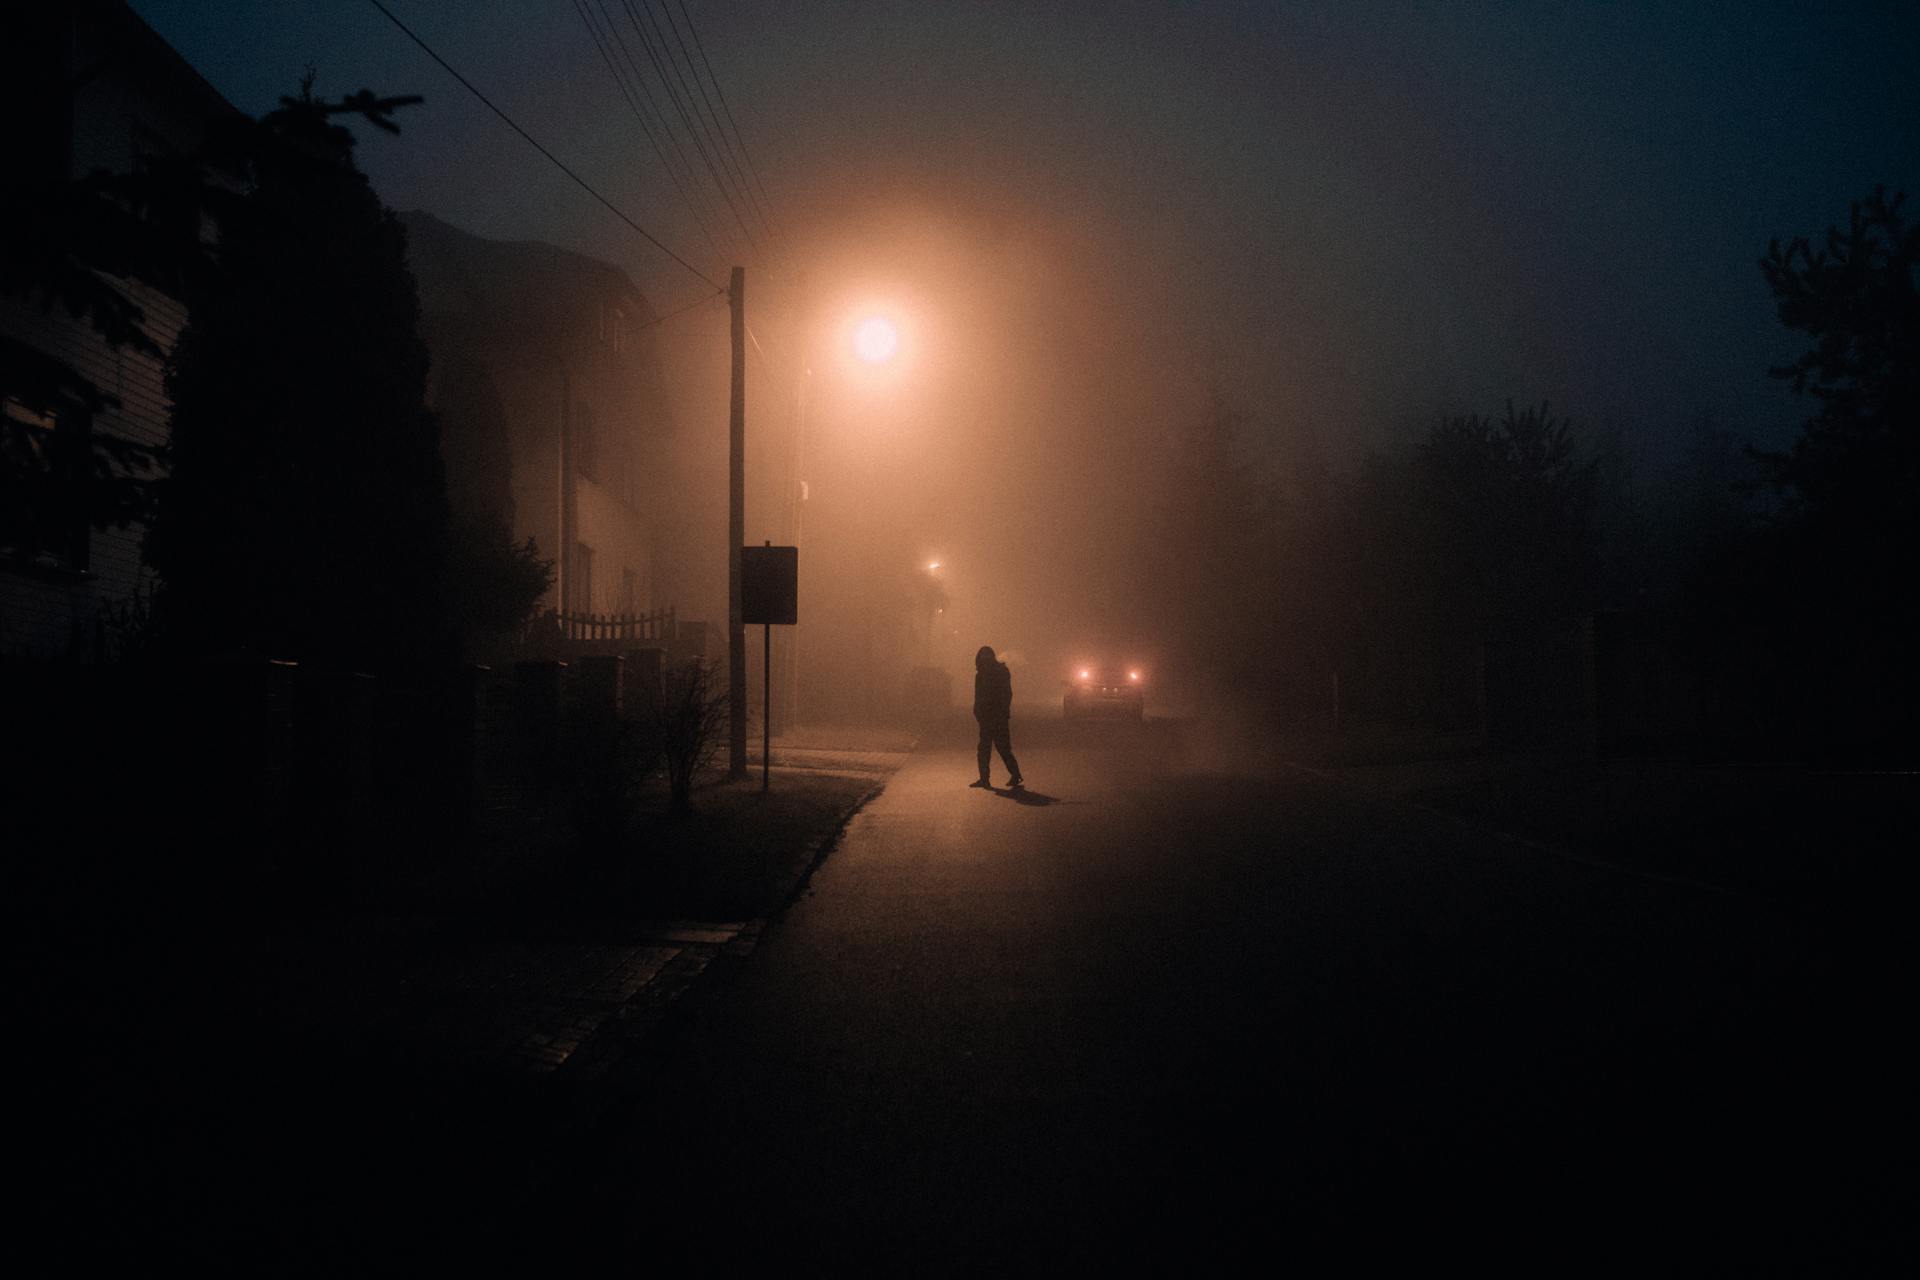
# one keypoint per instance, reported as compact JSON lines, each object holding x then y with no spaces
{"x":796,"y":516}
{"x":934,"y":608}
{"x":737,"y":533}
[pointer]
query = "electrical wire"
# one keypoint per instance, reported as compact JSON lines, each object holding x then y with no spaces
{"x":688,"y":120}
{"x":724,"y":157}
{"x":621,"y":82}
{"x":715,"y":223}
{"x":701,"y":217}
{"x":697,"y":128}
{"x":583,"y":184}
{"x":729,"y":159}
{"x":697,"y":303}
{"x":745,"y":155}
{"x":597,"y":343}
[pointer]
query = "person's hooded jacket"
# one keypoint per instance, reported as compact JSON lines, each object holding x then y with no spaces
{"x":992,"y":688}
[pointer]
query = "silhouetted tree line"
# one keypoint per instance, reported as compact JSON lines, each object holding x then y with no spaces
{"x":1209,"y":547}
{"x":1781,"y":581}
{"x":1392,"y":577}
{"x":1826,"y":585}
{"x":1484,"y":530}
{"x":304,"y":511}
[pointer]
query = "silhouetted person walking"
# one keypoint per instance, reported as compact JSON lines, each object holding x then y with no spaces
{"x":993,"y":708}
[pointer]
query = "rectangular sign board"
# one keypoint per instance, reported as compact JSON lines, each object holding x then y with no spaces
{"x":769,"y":585}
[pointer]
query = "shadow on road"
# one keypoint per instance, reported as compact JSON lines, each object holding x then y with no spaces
{"x":1020,"y":795}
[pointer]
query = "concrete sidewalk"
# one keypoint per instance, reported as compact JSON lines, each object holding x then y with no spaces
{"x":848,"y":750}
{"x":828,"y":760}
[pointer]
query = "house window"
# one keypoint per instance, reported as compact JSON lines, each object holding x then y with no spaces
{"x":581,"y":588}
{"x":613,"y":327}
{"x":629,"y":590}
{"x":616,"y":463}
{"x":586,"y":441}
{"x":43,"y":488}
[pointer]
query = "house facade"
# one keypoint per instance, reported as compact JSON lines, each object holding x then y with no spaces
{"x":97,"y":90}
{"x":553,"y":412}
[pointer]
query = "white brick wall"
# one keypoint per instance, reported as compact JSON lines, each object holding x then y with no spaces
{"x":53,"y":614}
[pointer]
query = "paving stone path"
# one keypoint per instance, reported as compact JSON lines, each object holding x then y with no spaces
{"x":513,"y":1006}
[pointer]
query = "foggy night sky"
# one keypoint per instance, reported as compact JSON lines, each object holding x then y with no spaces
{"x":1347,"y":217}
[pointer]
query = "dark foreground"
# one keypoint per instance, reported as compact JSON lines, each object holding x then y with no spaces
{"x":1151,"y":1015}
{"x":1160,"y":1009}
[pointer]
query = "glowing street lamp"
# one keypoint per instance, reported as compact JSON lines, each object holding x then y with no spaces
{"x":876,"y":340}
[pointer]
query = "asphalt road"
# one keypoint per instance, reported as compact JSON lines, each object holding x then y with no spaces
{"x":1160,"y":1012}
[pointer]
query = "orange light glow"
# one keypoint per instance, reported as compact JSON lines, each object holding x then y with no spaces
{"x":1133,"y":675}
{"x":875,"y":340}
{"x":1085,"y":674}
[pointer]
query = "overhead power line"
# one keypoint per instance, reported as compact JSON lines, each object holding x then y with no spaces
{"x":583,"y":184}
{"x":682,"y":98}
{"x":714,"y":224}
{"x":665,"y":316}
{"x":538,"y":356}
{"x":729,"y":160}
{"x":711,"y":132}
{"x":682,"y":176}
{"x":746,"y":157}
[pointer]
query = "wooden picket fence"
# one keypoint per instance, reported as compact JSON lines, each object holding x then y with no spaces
{"x":654,"y":627}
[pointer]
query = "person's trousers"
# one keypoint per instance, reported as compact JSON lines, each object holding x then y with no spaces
{"x":997,"y":735}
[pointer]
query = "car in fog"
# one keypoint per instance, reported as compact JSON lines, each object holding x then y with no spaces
{"x":1105,"y":691}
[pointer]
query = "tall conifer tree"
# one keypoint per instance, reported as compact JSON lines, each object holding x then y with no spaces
{"x":304,"y":514}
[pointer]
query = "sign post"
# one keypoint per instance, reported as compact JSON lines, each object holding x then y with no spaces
{"x":766,"y":703}
{"x":770,"y":596}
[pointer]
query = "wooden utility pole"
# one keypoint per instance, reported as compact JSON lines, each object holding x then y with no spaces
{"x":737,"y":533}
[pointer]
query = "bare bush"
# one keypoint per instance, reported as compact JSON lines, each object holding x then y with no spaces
{"x":688,"y":726}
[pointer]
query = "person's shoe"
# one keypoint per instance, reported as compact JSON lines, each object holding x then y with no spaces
{"x":982,"y":783}
{"x":1016,"y":780}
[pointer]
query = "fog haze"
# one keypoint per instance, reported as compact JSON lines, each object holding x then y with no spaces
{"x":1090,"y":221}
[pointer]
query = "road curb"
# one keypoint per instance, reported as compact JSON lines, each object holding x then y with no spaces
{"x":624,"y":1034}
{"x":616,"y":1053}
{"x":822,"y":851}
